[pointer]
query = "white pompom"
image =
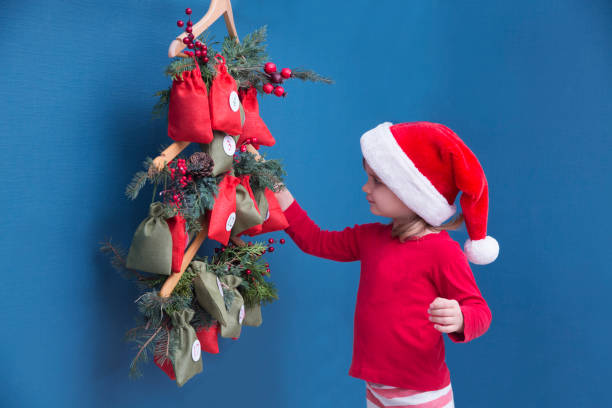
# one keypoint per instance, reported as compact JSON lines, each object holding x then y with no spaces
{"x":481,"y":251}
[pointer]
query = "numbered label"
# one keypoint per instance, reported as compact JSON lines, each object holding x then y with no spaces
{"x":220,"y":287}
{"x":230,"y":221}
{"x":229,"y":145}
{"x":234,"y":101}
{"x":242,"y":313}
{"x":196,"y":350}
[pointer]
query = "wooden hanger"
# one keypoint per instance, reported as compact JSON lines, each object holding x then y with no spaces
{"x":217,"y":9}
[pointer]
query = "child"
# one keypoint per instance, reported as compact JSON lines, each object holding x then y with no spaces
{"x":415,"y":281}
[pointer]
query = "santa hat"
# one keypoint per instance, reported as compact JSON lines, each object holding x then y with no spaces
{"x":426,"y":165}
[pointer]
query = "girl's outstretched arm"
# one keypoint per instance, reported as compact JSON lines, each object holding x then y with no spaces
{"x":340,"y":246}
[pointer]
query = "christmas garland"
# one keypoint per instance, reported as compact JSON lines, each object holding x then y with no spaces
{"x":218,"y":293}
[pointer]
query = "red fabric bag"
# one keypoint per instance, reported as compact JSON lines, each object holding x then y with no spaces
{"x":188,"y":112}
{"x":254,"y":230}
{"x":276,"y":219}
{"x":224,"y":101}
{"x":223,"y":215}
{"x":253,"y":126}
{"x":208,"y":338}
{"x":179,"y":241}
{"x":166,"y":367}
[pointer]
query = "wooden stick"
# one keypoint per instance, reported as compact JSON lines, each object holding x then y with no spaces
{"x":173,"y":279}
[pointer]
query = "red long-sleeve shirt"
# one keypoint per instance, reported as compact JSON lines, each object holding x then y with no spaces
{"x":394,"y":343}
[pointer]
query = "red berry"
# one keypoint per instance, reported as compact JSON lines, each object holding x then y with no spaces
{"x":198,"y":44}
{"x":271,"y":240}
{"x":189,"y":23}
{"x":186,"y":40}
{"x":270,"y":67}
{"x":248,"y":271}
{"x":190,"y":45}
{"x":271,"y":249}
{"x":276,"y":77}
{"x":189,"y":29}
{"x":205,"y":59}
{"x":180,"y":23}
{"x":282,"y":240}
{"x":267,"y":265}
{"x":279,"y":91}
{"x":188,"y":11}
{"x":254,"y":140}
{"x":204,"y":52}
{"x":268,"y":270}
{"x":268,"y":88}
{"x":243,"y":148}
{"x":191,"y":36}
{"x":198,"y":53}
{"x":204,"y":47}
{"x":286,"y":73}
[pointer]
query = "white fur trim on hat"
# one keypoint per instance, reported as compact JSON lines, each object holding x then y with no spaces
{"x":398,"y":172}
{"x":481,"y":251}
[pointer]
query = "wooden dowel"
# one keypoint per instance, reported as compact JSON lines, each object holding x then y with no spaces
{"x":173,"y":279}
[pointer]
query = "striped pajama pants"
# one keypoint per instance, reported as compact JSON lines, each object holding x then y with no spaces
{"x":380,"y":396}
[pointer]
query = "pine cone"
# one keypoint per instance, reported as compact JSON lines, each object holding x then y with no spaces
{"x":200,"y":164}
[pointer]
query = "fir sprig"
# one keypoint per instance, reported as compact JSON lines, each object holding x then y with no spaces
{"x":264,"y":173}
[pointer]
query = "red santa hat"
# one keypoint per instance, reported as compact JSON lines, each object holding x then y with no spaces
{"x":426,"y":165}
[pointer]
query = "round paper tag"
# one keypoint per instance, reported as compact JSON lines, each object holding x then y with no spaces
{"x":229,"y":224}
{"x":219,"y":286}
{"x":267,"y":215}
{"x":234,"y":101}
{"x":229,"y":145}
{"x":196,"y":350}
{"x":242,"y":313}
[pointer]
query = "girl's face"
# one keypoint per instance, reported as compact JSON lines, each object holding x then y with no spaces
{"x":382,"y":200}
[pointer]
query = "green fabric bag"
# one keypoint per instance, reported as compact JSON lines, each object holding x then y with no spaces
{"x":185,"y":350}
{"x":221,"y":150}
{"x":209,"y":292}
{"x":235,"y":315}
{"x":252,"y":316}
{"x":247,"y":215}
{"x":262,"y":204}
{"x":151,"y":249}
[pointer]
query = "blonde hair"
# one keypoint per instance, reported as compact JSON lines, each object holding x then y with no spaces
{"x":410,"y":229}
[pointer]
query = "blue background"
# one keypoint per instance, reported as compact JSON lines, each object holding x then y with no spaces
{"x":525,"y":83}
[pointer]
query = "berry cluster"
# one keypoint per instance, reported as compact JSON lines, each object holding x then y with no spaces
{"x":276,"y":78}
{"x":250,"y":140}
{"x":201,"y":50}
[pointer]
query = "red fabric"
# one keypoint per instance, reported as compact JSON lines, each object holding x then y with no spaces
{"x":394,"y":343}
{"x":441,"y":156}
{"x":256,"y":229}
{"x":223,"y":87}
{"x":253,"y":126}
{"x":276,"y":220}
{"x":166,"y":367}
{"x":188,"y":112}
{"x":177,"y":230}
{"x":225,"y":205}
{"x":208,"y":338}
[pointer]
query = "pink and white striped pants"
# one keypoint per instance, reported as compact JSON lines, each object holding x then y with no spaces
{"x":380,"y":396}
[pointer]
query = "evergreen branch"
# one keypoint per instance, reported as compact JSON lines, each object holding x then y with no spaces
{"x":309,"y":75}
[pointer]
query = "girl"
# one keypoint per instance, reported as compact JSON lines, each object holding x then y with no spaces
{"x":415,"y":281}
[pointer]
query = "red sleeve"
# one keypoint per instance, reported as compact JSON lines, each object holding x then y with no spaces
{"x":340,"y":246}
{"x":454,"y":280}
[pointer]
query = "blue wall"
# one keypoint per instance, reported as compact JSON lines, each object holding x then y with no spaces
{"x":525,"y":83}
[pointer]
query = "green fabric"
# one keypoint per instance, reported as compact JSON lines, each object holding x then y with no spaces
{"x":151,"y":249}
{"x":247,"y":215}
{"x":222,"y":161}
{"x":262,"y":204}
{"x":182,"y":347}
{"x":233,"y":325}
{"x":253,"y":316}
{"x":207,"y":292}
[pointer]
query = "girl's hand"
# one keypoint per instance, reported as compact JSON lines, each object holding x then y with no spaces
{"x":447,"y":314}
